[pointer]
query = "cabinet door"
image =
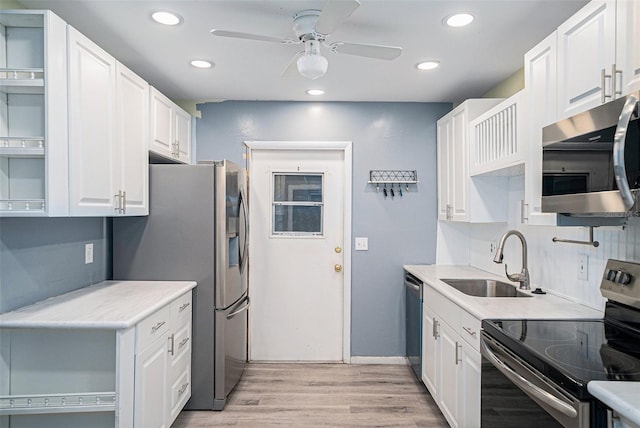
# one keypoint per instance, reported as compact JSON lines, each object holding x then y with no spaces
{"x":628,"y":45}
{"x":151,"y":385}
{"x":443,"y":138}
{"x":459,"y":166}
{"x":183,"y":134}
{"x":92,"y":128}
{"x":586,"y":47}
{"x":540,"y":69}
{"x":448,"y":374}
{"x":162,"y":124}
{"x":133,"y":119}
{"x":469,"y":385}
{"x":429,"y":352}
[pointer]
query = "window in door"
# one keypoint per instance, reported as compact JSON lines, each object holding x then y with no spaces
{"x":297,"y":208}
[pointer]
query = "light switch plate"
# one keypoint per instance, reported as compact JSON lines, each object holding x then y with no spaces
{"x":362,"y":244}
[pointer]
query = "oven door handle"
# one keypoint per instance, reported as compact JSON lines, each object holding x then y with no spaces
{"x":527,"y":386}
{"x":619,"y":138}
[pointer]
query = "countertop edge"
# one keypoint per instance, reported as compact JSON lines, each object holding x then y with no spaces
{"x":181,"y":287}
{"x":623,"y":397}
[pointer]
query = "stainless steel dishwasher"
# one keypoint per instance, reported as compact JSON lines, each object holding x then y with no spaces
{"x":413,"y":324}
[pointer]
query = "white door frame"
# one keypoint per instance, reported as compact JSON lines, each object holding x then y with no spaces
{"x":346,"y":147}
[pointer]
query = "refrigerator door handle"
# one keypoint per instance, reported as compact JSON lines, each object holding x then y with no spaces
{"x":242,"y":309}
{"x":245,"y":244}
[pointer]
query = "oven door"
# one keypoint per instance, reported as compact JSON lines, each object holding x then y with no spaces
{"x":514,"y":394}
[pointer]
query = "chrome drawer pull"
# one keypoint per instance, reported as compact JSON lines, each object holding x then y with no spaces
{"x":183,"y":342}
{"x":183,"y":388}
{"x":469,"y":330}
{"x":157,"y":326}
{"x":183,"y":307}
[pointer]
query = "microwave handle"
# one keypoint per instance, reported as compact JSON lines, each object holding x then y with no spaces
{"x":618,"y":151}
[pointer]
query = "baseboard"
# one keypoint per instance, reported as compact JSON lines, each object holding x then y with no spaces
{"x":379,"y":360}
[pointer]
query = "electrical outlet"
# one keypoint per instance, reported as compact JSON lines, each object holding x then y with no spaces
{"x":492,"y":248}
{"x":583,"y":266}
{"x":88,"y":253}
{"x":362,"y":244}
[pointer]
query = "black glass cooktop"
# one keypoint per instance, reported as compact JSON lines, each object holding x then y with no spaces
{"x":572,"y":352}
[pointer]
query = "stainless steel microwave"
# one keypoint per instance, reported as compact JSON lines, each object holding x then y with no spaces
{"x":591,"y":161}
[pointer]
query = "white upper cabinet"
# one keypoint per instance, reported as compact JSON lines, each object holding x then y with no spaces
{"x":133,"y":133}
{"x":598,"y":57}
{"x":33,"y":114}
{"x":456,"y":191}
{"x":540,"y":80}
{"x":628,"y":45}
{"x":170,"y":129}
{"x":92,"y":128}
{"x":108,"y":131}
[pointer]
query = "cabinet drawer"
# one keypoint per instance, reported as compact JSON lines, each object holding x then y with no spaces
{"x":470,"y":329}
{"x":152,"y":327}
{"x":181,"y":310}
{"x":443,"y":307}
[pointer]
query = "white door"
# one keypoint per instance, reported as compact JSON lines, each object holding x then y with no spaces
{"x":297,"y":217}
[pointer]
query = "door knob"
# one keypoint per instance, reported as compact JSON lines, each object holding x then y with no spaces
{"x":338,"y":268}
{"x":338,"y":250}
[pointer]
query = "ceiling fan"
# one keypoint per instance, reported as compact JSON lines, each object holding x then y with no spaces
{"x":312,"y":27}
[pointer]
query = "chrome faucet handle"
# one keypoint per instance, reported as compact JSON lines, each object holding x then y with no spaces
{"x":522,"y":277}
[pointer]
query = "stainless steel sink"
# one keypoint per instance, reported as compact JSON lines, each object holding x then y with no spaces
{"x":485,"y":288}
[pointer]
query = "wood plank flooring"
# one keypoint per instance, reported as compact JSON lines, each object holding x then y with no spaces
{"x":323,"y":395}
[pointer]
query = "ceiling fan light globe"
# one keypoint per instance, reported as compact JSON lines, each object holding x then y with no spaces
{"x":312,"y":66}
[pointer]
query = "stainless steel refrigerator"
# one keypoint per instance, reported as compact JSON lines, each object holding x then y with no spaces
{"x":197,"y":230}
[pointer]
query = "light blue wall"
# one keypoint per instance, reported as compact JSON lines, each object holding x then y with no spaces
{"x":400,"y":231}
{"x":44,"y":257}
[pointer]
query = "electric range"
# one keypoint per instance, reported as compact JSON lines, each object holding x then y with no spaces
{"x":551,"y":361}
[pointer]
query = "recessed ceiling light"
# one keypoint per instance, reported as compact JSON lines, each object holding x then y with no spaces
{"x":166,"y":18}
{"x":459,"y":20}
{"x":315,"y":92}
{"x":428,"y":65}
{"x":199,"y":63}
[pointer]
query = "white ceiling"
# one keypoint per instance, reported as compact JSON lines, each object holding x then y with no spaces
{"x":473,"y":59}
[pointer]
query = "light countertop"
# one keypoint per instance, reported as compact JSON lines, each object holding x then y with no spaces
{"x":623,"y":397}
{"x":537,"y":306}
{"x":111,"y":305}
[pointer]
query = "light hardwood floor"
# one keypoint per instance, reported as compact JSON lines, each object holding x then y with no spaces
{"x":323,"y":395}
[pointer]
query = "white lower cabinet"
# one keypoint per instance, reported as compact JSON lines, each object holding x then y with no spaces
{"x":163,"y":365}
{"x":451,"y":359}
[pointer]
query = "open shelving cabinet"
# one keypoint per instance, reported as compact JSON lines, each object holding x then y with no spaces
{"x":33,"y":114}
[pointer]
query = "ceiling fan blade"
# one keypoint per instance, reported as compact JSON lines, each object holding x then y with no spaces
{"x":292,"y":68}
{"x":249,"y":36}
{"x":369,"y":51}
{"x":334,"y":14}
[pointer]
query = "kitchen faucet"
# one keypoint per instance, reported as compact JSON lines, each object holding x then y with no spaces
{"x":523,"y":276}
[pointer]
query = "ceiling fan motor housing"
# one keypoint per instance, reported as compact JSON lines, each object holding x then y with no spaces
{"x":304,"y":25}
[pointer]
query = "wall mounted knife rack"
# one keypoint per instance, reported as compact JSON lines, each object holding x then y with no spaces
{"x":571,"y":241}
{"x":392,"y":178}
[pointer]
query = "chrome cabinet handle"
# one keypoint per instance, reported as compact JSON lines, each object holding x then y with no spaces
{"x":172,"y":341}
{"x":619,"y":138}
{"x":157,"y":326}
{"x":458,"y":359}
{"x":524,"y":211}
{"x":435,"y":328}
{"x":614,"y":81}
{"x":124,"y":202}
{"x":119,"y":204}
{"x":183,"y":307}
{"x":524,"y":384}
{"x":603,"y":88}
{"x":182,"y":343}
{"x":469,"y":330}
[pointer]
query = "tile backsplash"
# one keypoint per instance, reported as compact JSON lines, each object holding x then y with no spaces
{"x":552,"y":266}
